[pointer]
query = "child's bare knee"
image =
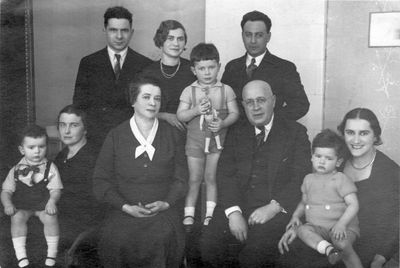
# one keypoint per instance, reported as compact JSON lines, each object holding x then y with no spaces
{"x":21,"y":217}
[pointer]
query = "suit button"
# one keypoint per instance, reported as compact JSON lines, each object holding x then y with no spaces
{"x":252,"y":186}
{"x":253,"y":176}
{"x":145,"y":165}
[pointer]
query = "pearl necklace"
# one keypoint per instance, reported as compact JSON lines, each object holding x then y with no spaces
{"x":166,"y":75}
{"x":367,"y":165}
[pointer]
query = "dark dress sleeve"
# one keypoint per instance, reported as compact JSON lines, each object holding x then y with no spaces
{"x":104,"y":181}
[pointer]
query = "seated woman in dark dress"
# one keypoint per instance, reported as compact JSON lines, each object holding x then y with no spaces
{"x":377,"y":179}
{"x":79,"y":212}
{"x":141,"y":173}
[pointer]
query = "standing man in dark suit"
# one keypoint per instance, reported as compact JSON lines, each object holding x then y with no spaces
{"x":259,"y":64}
{"x":259,"y":174}
{"x":103,"y":77}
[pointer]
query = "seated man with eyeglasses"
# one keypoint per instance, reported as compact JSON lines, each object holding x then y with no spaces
{"x":259,"y":175}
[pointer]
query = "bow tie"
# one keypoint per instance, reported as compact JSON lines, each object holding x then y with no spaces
{"x":25,"y":171}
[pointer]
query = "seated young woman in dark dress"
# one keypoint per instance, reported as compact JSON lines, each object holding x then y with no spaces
{"x":79,"y":213}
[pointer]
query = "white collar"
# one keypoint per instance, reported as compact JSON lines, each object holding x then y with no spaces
{"x":258,"y":58}
{"x":267,"y":128}
{"x":145,"y":144}
{"x":111,"y":55}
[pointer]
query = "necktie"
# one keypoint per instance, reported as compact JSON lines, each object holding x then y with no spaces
{"x":250,"y":69}
{"x":117,"y":67}
{"x":260,"y":136}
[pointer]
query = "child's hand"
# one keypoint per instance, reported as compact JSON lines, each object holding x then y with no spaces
{"x":10,"y":210}
{"x":215,"y":125}
{"x":294,"y":222}
{"x":204,"y":106}
{"x":51,"y":208}
{"x":338,"y":231}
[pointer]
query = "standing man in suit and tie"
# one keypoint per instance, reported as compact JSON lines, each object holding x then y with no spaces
{"x":259,"y":174}
{"x":259,"y":64}
{"x":103,"y":77}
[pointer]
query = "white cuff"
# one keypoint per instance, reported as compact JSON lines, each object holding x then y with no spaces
{"x":230,"y":210}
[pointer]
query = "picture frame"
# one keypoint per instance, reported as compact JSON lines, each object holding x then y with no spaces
{"x":384,"y":29}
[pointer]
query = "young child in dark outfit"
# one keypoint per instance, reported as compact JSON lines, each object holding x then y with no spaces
{"x":32,"y":188}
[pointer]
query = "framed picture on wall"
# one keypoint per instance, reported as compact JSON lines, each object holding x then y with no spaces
{"x":384,"y":29}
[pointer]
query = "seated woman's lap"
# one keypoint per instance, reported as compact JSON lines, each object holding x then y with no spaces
{"x":138,"y":240}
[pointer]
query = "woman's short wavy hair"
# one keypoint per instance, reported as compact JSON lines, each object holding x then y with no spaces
{"x":365,"y":114}
{"x":136,"y":85}
{"x":163,"y":31}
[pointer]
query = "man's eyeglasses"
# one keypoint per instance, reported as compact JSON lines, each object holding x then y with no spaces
{"x":252,"y":102}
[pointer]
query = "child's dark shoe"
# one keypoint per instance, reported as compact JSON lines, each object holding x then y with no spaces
{"x":188,"y":223}
{"x":334,"y":256}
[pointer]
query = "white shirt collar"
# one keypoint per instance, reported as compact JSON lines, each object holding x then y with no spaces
{"x":145,"y":144}
{"x":111,"y":55}
{"x":258,"y":58}
{"x":267,"y":128}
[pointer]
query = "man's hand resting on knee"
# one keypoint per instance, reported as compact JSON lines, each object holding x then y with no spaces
{"x":238,"y":226}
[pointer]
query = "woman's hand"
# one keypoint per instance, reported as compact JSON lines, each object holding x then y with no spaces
{"x":137,"y":211}
{"x":339,"y":231}
{"x":173,"y":121}
{"x":378,"y":261}
{"x":10,"y":210}
{"x":287,"y":238}
{"x":157,"y":206}
{"x":51,"y":208}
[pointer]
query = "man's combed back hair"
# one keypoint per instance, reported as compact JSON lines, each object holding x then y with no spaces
{"x":117,"y":12}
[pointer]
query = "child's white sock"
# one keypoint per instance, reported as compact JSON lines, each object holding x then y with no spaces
{"x":52,"y":247}
{"x":189,"y":211}
{"x":210,"y":206}
{"x":323,"y":247}
{"x":20,"y":250}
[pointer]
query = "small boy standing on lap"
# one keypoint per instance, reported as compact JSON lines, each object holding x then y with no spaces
{"x":33,"y":187}
{"x":329,"y":203}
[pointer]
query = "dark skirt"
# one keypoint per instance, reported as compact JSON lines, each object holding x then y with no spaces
{"x":126,"y":241}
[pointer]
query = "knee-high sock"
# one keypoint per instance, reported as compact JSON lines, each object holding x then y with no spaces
{"x":19,"y":244}
{"x":52,"y":247}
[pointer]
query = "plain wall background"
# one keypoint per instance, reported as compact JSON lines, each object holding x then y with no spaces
{"x":66,"y":31}
{"x":362,"y":76}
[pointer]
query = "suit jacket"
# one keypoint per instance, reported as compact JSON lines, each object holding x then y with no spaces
{"x":104,"y":98}
{"x":288,"y":150}
{"x":291,"y":99}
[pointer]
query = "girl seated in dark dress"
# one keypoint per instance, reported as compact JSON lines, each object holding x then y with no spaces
{"x":141,"y":173}
{"x":79,"y":212}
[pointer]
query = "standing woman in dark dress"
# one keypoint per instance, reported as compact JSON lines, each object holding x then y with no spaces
{"x":141,"y":173}
{"x":78,"y":210}
{"x":172,"y":71}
